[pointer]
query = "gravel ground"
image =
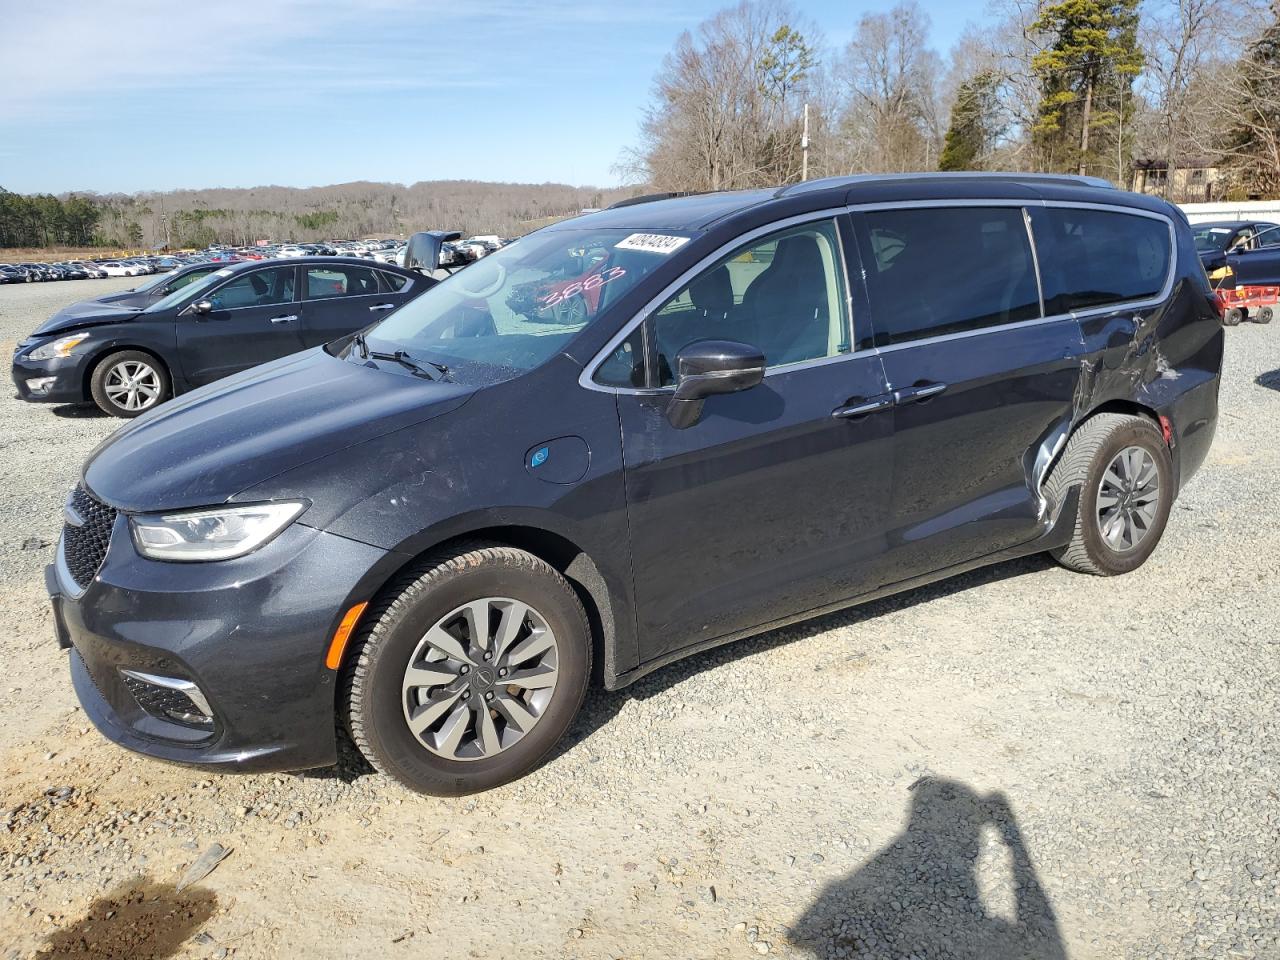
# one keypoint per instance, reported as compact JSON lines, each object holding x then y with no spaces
{"x":1022,"y":762}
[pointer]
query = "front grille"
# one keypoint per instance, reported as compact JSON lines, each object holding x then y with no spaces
{"x":84,"y":545}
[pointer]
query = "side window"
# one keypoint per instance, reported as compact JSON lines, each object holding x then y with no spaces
{"x":784,"y":294}
{"x":1092,"y":258}
{"x":933,"y":271}
{"x":260,"y":288}
{"x":340,"y":281}
{"x":393,"y":281}
{"x":625,"y":366}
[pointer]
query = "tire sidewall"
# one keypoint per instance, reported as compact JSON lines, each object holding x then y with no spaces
{"x":1135,"y":434}
{"x":383,"y":715}
{"x":99,"y":379}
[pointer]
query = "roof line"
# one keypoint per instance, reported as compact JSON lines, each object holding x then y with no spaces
{"x":807,"y":186}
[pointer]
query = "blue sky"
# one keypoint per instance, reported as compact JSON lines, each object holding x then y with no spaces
{"x":134,"y":96}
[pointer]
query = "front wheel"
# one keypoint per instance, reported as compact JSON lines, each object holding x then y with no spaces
{"x":128,"y":383}
{"x":468,"y":670}
{"x":1125,"y":473}
{"x":1264,"y":315}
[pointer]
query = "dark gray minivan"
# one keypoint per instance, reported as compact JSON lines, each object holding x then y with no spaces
{"x":626,"y":438}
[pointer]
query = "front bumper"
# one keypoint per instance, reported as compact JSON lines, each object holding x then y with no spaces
{"x":250,"y":633}
{"x":63,"y":378}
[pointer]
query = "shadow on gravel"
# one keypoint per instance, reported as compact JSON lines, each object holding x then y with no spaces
{"x":78,"y":411}
{"x":351,"y":765}
{"x":921,"y":896}
{"x":601,"y":706}
{"x":1269,"y":379}
{"x":133,"y":922}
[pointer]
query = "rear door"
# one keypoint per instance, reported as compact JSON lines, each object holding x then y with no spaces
{"x":984,"y":382}
{"x":343,"y":298}
{"x":254,"y":319}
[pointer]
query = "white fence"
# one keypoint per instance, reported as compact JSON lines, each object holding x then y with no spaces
{"x":1242,"y":210}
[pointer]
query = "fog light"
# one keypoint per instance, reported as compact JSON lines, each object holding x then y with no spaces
{"x":169,"y":698}
{"x":41,"y":385}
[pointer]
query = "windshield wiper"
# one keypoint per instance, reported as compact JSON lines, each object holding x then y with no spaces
{"x":401,"y":357}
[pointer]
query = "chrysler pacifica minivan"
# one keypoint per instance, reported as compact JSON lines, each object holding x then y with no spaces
{"x":626,"y":438}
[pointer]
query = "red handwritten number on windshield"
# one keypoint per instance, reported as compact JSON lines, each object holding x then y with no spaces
{"x":593,"y":282}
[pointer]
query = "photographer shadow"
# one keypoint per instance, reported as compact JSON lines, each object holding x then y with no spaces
{"x":922,"y":895}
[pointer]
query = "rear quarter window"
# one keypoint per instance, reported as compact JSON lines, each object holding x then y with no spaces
{"x":1094,"y":258}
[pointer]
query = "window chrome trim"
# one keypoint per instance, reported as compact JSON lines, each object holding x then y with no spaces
{"x":1027,"y":204}
{"x":585,"y":379}
{"x":1035,"y":256}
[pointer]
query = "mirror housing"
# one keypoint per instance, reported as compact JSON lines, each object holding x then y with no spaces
{"x":422,"y":253}
{"x":707,"y":367}
{"x":201,"y":307}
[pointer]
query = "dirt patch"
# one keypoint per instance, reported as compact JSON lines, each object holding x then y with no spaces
{"x":140,"y":921}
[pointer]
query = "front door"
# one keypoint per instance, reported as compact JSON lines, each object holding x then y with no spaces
{"x":773,"y":503}
{"x":984,"y":384}
{"x":255,"y":318}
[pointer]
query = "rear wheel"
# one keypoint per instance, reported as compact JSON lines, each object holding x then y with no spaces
{"x":128,"y":383}
{"x":468,"y":671}
{"x":1233,"y":317}
{"x":1263,"y":316}
{"x":1125,"y":474}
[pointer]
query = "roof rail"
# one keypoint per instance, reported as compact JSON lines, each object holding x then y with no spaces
{"x":1070,"y":179}
{"x":650,"y":197}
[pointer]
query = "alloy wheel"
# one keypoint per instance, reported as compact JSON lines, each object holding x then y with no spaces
{"x":1128,"y":500}
{"x":480,"y":679}
{"x":132,"y":385}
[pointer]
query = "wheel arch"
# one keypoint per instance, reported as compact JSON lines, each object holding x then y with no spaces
{"x":91,"y":367}
{"x":566,"y":557}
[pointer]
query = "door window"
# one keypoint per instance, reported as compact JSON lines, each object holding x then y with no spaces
{"x":260,"y":288}
{"x":935,"y":271}
{"x":1093,"y":258}
{"x":784,"y":294}
{"x":393,"y":281}
{"x":340,"y":281}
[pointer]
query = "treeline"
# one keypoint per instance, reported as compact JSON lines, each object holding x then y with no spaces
{"x":1080,"y":86}
{"x":43,"y":220}
{"x":196,"y":218}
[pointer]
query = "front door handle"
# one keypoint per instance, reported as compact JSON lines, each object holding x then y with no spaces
{"x":382,"y":306}
{"x":916,"y":394}
{"x":289,"y":319}
{"x":862,"y":408}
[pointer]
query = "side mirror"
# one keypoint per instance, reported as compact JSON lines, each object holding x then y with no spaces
{"x":709,"y":367}
{"x":202,"y":307}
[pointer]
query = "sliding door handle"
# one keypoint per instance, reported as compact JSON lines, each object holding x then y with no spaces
{"x":289,"y":319}
{"x":382,"y":306}
{"x":916,"y":394}
{"x":863,"y":408}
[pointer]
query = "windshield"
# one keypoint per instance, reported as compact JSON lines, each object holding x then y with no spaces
{"x":190,"y":292}
{"x":1212,"y":239}
{"x":153,"y":282}
{"x":517,"y":307}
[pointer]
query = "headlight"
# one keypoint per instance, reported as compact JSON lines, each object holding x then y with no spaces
{"x":61,"y":347}
{"x":217,"y":534}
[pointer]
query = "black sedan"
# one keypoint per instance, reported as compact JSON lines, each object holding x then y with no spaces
{"x":1218,"y":237}
{"x":128,"y":359}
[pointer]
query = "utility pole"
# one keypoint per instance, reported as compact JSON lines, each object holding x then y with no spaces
{"x":804,"y":146}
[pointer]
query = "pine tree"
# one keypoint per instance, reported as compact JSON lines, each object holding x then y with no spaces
{"x":1086,"y":75}
{"x":973,"y":125}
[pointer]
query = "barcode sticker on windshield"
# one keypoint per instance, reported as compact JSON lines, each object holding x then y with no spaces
{"x":652,"y":243}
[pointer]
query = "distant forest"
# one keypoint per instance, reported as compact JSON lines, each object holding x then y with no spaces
{"x":196,"y":218}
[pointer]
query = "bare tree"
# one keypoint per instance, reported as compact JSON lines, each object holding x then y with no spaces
{"x":893,"y":116}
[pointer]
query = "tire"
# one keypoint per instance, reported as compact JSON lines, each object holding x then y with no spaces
{"x":1263,"y":316}
{"x":1232,"y":317}
{"x":115,"y":370}
{"x":1090,"y":454}
{"x":379,"y":699}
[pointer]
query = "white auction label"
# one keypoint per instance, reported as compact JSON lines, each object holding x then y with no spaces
{"x":652,"y":243}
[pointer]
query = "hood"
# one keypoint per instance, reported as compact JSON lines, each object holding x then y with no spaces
{"x":86,"y":313}
{"x":207,"y":446}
